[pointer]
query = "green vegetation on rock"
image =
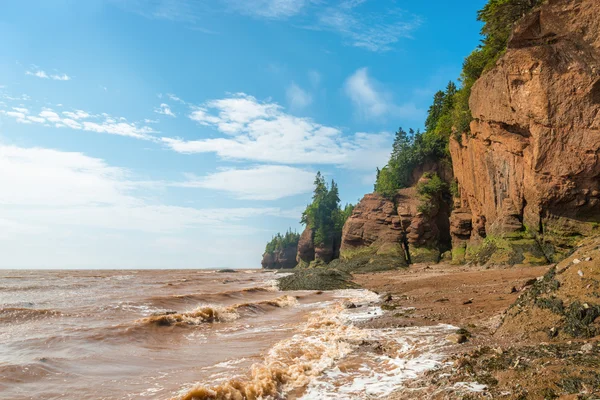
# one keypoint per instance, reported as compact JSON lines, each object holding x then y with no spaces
{"x":317,"y":279}
{"x":517,"y":248}
{"x":280,"y":242}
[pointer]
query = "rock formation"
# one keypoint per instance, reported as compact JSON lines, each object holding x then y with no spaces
{"x":284,"y":258}
{"x":532,"y":159}
{"x":384,"y":227}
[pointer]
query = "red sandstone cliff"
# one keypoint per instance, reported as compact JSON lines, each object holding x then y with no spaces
{"x":532,"y":156}
{"x":529,"y":170}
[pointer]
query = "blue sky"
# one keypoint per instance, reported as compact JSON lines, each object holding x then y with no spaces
{"x":185,"y":133}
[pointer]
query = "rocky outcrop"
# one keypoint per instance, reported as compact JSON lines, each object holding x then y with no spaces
{"x":280,"y":259}
{"x":309,"y":253}
{"x":530,"y":167}
{"x":383,"y":227}
{"x":306,"y":248}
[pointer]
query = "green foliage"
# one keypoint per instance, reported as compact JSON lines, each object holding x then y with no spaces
{"x":324,"y":215}
{"x":410,"y":150}
{"x":454,"y":189}
{"x":430,"y":191}
{"x":280,"y":242}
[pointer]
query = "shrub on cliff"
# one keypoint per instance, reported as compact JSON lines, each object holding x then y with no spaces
{"x":409,"y":151}
{"x":280,"y":242}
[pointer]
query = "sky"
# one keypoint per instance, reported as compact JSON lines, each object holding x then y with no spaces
{"x":186,"y":133}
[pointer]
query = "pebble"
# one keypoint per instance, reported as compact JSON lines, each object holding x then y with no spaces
{"x":470,"y":301}
{"x":580,"y":273}
{"x":457,"y":338}
{"x":576,"y":261}
{"x":587,"y":348}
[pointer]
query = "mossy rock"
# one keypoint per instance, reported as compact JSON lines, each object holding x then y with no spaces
{"x":459,"y":254}
{"x":349,"y":254}
{"x":424,"y":255}
{"x":391,"y":249}
{"x":516,"y":248}
{"x":369,"y":263}
{"x":302,"y":264}
{"x":374,"y":258}
{"x":317,"y":279}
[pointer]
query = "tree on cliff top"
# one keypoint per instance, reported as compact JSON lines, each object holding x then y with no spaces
{"x":450,"y":114}
{"x":324,"y":215}
{"x":280,"y":242}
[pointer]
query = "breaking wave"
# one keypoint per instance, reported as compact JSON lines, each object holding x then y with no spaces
{"x":211,"y":314}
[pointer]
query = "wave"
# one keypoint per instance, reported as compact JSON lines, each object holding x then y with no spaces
{"x":18,"y":314}
{"x":172,"y":301}
{"x":211,"y":314}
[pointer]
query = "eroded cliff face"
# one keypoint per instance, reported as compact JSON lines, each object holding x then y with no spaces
{"x":280,"y":259}
{"x":531,"y":161}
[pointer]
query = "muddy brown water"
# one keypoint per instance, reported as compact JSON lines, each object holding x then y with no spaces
{"x":159,"y":334}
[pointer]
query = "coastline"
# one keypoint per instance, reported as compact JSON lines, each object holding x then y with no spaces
{"x":480,"y":364}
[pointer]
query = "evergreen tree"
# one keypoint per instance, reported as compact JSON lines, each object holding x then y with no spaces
{"x":324,"y":214}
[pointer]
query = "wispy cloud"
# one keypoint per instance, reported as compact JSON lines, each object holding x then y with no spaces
{"x":297,"y":97}
{"x":164,"y":109}
{"x":373,"y":31}
{"x":371,"y":101}
{"x":270,"y":9}
{"x":38,"y":73}
{"x":81,"y":120}
{"x":264,"y":132}
{"x":52,"y":188}
{"x":265,"y":182}
{"x":358,"y":23}
{"x":175,"y":98}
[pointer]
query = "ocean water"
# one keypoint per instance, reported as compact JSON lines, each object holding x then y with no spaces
{"x":182,"y":334}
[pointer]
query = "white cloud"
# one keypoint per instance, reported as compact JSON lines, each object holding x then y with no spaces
{"x":61,"y":77}
{"x":297,"y":97}
{"x":38,"y":120}
{"x":77,"y":114}
{"x":263,"y":132}
{"x":79,"y":211}
{"x":372,"y":101}
{"x":44,"y":75}
{"x":266,"y":182}
{"x":81,"y":120}
{"x":50,"y":187}
{"x":164,"y":109}
{"x":39,"y":74}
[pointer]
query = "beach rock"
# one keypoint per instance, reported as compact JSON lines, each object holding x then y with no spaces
{"x":457,"y":338}
{"x":317,"y":279}
{"x":531,"y":158}
{"x":348,"y":304}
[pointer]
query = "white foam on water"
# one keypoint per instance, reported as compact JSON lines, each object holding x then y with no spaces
{"x":419,"y":349}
